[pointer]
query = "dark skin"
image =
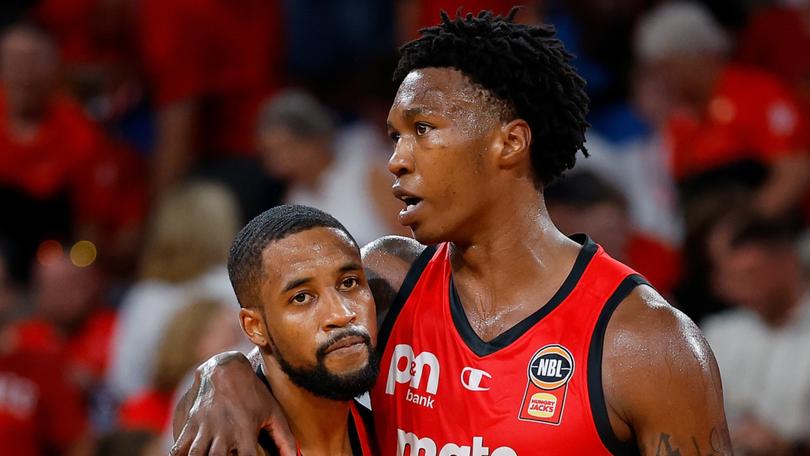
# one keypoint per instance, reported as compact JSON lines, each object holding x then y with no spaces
{"x":468,"y":166}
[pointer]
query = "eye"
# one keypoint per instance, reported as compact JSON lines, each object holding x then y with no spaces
{"x":349,"y":283}
{"x":394,"y":136}
{"x":422,"y":128}
{"x":301,"y":298}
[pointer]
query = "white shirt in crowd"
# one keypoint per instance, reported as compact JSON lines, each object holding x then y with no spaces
{"x":147,"y":309}
{"x":765,"y":370}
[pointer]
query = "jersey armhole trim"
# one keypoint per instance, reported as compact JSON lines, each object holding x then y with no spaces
{"x":411,"y":278}
{"x":595,"y":388}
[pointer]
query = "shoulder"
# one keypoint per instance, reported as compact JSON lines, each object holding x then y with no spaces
{"x":391,"y":257}
{"x":386,"y":262}
{"x":654,"y":355}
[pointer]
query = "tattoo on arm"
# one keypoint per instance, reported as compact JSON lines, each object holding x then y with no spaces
{"x":666,"y":446}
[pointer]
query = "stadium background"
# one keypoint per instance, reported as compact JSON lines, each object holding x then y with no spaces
{"x":136,"y":137}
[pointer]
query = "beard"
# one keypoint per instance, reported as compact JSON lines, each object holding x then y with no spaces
{"x":320,"y":381}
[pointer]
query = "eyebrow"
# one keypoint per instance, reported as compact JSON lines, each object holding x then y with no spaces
{"x":295,"y":283}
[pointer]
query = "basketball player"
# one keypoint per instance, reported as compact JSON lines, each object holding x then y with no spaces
{"x":505,"y":337}
{"x":307,"y":306}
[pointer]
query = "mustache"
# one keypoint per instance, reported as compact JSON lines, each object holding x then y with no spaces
{"x":335,"y":338}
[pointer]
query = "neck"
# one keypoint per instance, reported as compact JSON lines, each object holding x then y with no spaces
{"x":515,"y":243}
{"x":320,"y":426}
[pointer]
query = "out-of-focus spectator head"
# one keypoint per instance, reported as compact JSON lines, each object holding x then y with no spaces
{"x":678,"y":44}
{"x":294,"y":136}
{"x":200,"y":330}
{"x":29,"y":66}
{"x":756,"y":264}
{"x":8,"y":294}
{"x":584,"y":203}
{"x":190,"y":231}
{"x":64,"y":293}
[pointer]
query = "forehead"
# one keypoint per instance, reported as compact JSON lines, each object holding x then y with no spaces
{"x":308,"y":253}
{"x":438,"y":89}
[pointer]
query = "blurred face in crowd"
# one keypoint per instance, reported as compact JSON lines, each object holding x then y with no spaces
{"x":64,"y":293}
{"x":28,"y":70}
{"x":606,"y":222}
{"x":762,"y":277}
{"x":317,"y":320}
{"x":443,"y":129}
{"x":292,"y":158}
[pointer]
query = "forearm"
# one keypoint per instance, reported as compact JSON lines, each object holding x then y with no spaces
{"x":202,"y":376}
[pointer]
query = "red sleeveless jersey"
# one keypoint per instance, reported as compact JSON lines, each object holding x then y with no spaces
{"x":534,"y":390}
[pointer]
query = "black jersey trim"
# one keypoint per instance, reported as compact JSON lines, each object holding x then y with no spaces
{"x":414,"y":273}
{"x":595,"y":389}
{"x":482,"y":348}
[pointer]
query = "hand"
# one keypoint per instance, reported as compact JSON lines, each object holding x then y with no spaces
{"x":226,"y":408}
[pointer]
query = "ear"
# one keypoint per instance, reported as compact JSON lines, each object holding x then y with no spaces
{"x":252,"y":323}
{"x":516,"y":138}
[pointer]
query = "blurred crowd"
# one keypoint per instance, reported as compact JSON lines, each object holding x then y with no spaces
{"x":137,"y":137}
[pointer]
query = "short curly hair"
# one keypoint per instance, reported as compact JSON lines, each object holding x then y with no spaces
{"x":526,"y":67}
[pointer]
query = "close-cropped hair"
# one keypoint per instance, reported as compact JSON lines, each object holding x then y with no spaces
{"x":245,"y":259}
{"x":522,"y":66}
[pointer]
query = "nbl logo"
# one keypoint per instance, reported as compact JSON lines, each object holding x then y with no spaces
{"x":549,"y":371}
{"x":551,"y":367}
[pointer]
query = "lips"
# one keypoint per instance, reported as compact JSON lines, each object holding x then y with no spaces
{"x":345,"y":342}
{"x":412,"y":203}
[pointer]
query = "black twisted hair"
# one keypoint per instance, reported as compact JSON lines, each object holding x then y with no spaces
{"x":523,"y":66}
{"x":245,"y":267}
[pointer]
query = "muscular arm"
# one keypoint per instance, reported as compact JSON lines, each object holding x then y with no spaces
{"x":661,"y":382}
{"x":386,"y":262}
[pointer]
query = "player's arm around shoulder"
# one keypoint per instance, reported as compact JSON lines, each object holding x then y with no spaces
{"x":386,"y":262}
{"x":661,"y":381}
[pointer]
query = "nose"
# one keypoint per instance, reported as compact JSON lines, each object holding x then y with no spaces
{"x":340,"y":311}
{"x":401,"y":161}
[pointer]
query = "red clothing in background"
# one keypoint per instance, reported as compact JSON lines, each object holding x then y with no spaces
{"x":86,"y":351}
{"x":778,"y":41}
{"x":222,"y":54}
{"x":149,"y":411}
{"x":70,"y":153}
{"x":39,"y":408}
{"x":749,"y":116}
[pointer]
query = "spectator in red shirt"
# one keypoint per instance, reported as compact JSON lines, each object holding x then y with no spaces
{"x":210,"y":64}
{"x":69,"y":319}
{"x":777,"y":39}
{"x":55,"y":164}
{"x":41,"y":412}
{"x":720,"y":114}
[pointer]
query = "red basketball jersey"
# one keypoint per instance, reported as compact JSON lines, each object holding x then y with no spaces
{"x":534,"y":390}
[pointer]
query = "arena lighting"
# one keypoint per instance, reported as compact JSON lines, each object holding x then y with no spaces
{"x":49,"y":251}
{"x":83,"y":254}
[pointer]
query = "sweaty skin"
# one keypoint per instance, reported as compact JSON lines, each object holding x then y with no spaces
{"x":475,"y":188}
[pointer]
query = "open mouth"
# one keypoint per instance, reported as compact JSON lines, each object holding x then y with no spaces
{"x":411,"y":201}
